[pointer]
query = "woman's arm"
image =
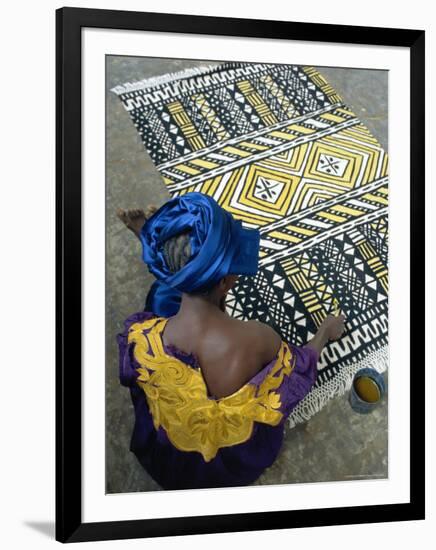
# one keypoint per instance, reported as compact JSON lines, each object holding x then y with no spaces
{"x":331,"y":328}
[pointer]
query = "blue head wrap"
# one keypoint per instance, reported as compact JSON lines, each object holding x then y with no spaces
{"x":219,"y":245}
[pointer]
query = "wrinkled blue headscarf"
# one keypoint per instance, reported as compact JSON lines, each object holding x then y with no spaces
{"x":219,"y":246}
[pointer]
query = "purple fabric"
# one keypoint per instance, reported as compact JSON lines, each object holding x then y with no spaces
{"x":232,"y":466}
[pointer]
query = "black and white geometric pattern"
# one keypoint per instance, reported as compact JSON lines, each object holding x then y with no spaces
{"x":275,"y":146}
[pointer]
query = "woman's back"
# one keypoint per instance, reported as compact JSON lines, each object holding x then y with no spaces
{"x":229,"y":351}
{"x":187,"y":438}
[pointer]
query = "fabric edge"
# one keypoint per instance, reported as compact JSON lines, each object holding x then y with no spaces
{"x":156,"y":81}
{"x":316,"y":400}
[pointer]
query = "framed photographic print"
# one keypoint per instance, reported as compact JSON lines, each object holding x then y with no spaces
{"x":240,"y":265}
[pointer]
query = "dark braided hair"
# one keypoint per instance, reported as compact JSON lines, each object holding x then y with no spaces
{"x":177,"y":252}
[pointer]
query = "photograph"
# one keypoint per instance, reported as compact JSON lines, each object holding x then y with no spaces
{"x":225,"y":289}
{"x":240,"y":240}
{"x":246,"y":274}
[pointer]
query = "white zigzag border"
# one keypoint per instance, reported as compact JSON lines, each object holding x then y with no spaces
{"x":154,"y":81}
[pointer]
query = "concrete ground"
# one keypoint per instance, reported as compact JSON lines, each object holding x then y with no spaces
{"x":336,"y":444}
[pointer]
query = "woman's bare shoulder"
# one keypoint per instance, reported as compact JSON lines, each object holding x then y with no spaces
{"x":258,"y":338}
{"x":240,"y":350}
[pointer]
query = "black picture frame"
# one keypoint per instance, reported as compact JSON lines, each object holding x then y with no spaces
{"x":69,"y":525}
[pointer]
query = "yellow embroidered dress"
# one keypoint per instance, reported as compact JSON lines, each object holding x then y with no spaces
{"x":186,"y":438}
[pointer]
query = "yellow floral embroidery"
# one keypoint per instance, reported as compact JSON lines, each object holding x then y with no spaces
{"x":177,"y":396}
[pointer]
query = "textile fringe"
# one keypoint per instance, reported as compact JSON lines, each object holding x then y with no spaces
{"x":156,"y":81}
{"x":338,"y":385}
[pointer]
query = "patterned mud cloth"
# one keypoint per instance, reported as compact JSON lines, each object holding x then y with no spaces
{"x":275,"y":145}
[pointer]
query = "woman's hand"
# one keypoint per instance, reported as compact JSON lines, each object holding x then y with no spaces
{"x":333,"y":326}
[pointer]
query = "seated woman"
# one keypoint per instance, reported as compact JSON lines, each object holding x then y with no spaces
{"x":211,"y":393}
